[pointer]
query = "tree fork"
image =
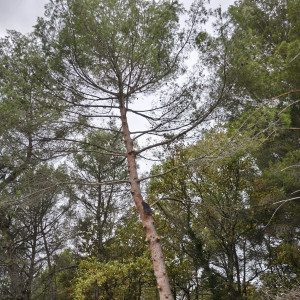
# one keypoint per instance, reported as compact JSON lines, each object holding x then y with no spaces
{"x":152,"y":237}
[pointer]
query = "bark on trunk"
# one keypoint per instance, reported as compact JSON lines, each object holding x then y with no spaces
{"x":152,"y":238}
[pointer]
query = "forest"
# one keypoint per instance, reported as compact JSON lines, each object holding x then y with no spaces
{"x":151,"y":151}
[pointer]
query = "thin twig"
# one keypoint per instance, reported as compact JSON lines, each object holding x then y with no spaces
{"x":282,"y":202}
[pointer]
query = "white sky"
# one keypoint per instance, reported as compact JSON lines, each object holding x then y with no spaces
{"x":21,"y":15}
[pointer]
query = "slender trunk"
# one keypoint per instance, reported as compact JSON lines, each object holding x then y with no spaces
{"x":96,"y":291}
{"x":139,"y":295}
{"x":237,"y":267}
{"x":99,"y":237}
{"x":99,"y":212}
{"x":230,"y":270}
{"x":51,"y":294}
{"x":32,"y":264}
{"x":244,"y":270}
{"x":197,"y":285}
{"x":174,"y":293}
{"x":152,"y":238}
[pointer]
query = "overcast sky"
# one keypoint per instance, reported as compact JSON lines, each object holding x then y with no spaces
{"x":21,"y":15}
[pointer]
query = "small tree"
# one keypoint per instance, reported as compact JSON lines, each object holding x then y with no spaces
{"x":98,"y":203}
{"x":30,"y":234}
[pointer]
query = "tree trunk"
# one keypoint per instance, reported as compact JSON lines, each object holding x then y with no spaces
{"x":99,"y":236}
{"x":96,"y":291}
{"x":152,"y":238}
{"x":51,"y":290}
{"x":244,"y":270}
{"x":230,"y":268}
{"x":237,"y":267}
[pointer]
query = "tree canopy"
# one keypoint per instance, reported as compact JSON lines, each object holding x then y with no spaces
{"x":99,"y":88}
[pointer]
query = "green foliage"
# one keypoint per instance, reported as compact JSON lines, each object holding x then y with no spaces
{"x":113,"y":41}
{"x":32,"y":224}
{"x":116,"y":280}
{"x":63,"y":272}
{"x":26,"y":104}
{"x":30,"y":114}
{"x":265,"y":41}
{"x":98,"y":203}
{"x":263,"y":64}
{"x":218,"y":210}
{"x":96,"y":159}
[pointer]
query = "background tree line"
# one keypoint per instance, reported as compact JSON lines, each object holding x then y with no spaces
{"x":224,"y":188}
